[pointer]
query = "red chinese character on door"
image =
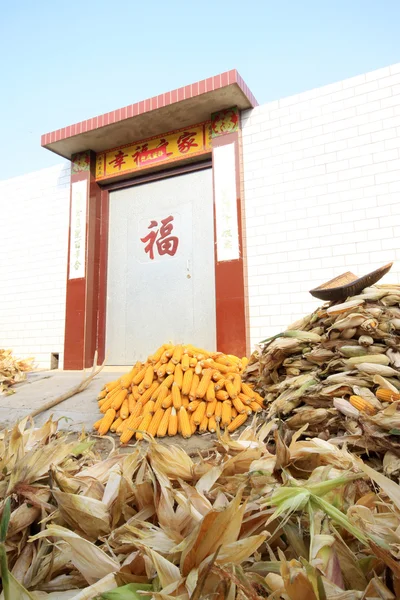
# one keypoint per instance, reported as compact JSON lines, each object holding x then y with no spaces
{"x":186,"y":141}
{"x":118,"y":161}
{"x":166,"y":243}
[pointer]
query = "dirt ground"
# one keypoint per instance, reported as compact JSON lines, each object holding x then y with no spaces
{"x":79,"y":412}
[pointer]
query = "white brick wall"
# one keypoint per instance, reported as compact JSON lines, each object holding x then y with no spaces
{"x":322,"y":193}
{"x":34,"y":212}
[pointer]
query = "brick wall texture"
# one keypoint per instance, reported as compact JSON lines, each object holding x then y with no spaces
{"x":34,"y":212}
{"x":322,"y":193}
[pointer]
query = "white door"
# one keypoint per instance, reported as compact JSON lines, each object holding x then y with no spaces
{"x":161,"y":278}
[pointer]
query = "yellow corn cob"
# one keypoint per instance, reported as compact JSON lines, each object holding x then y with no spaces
{"x":234,"y":413}
{"x":230,"y":388}
{"x":184,"y":422}
{"x":255,"y":407}
{"x":162,"y":370}
{"x":105,"y":404}
{"x":246,"y":389}
{"x":102,"y":394}
{"x":178,"y":376}
{"x":385,"y":395}
{"x":116,"y":424}
{"x":126,"y":380}
{"x":226,"y":413}
{"x":97,"y":424}
{"x":185,"y":362}
{"x":129,"y":427}
{"x":237,"y":422}
{"x":199,"y":413}
{"x":157,"y":366}
{"x":163,"y":392}
{"x":217,"y":376}
{"x":193,"y":362}
{"x":198,"y":369}
{"x":212,"y":424}
{"x":124,"y":410}
{"x":121,"y":427}
{"x":240,"y":407}
{"x":155,"y":422}
{"x":170,"y":367}
{"x":222,"y":368}
{"x":192,"y":424}
{"x":176,"y":396}
{"x":148,"y":407}
{"x":362,"y":405}
{"x":204,"y":383}
{"x":112,"y":385}
{"x":185,"y":401}
{"x":163,"y":426}
{"x":106,"y":421}
{"x":222,"y":359}
{"x":164,"y":358}
{"x":220,"y":384}
{"x":259,"y":399}
{"x":177,"y":354}
{"x":149,"y":392}
{"x":137,"y":410}
{"x":140,"y":376}
{"x":218,"y":411}
{"x":187,"y":381}
{"x":170,"y":351}
{"x":135,"y":392}
{"x":210,"y":394}
{"x":235,"y":359}
{"x":193,"y":405}
{"x":168,"y":381}
{"x":237,"y":382}
{"x":245,"y":399}
{"x":144,"y":426}
{"x":148,"y":377}
{"x":101,"y":402}
{"x":203,"y":427}
{"x":118,"y":400}
{"x":154,"y":358}
{"x":210,"y":410}
{"x":167,"y":402}
{"x":222,"y":395}
{"x":245,"y":362}
{"x":131,"y":403}
{"x":193,"y":388}
{"x":173,"y":423}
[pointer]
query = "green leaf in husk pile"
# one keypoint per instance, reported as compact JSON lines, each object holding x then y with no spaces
{"x":127,"y":592}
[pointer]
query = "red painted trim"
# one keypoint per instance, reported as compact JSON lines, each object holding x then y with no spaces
{"x":177,"y":95}
{"x":103,"y":261}
{"x":229,"y":279}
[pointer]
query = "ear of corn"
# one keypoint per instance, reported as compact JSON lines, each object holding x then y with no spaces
{"x":218,"y":411}
{"x":106,"y":421}
{"x":131,"y":403}
{"x":163,"y":426}
{"x":362,"y":405}
{"x":155,"y":422}
{"x":203,"y":425}
{"x":210,"y":393}
{"x":148,"y":407}
{"x":97,"y":424}
{"x":149,"y":392}
{"x":118,"y":400}
{"x":237,"y":422}
{"x":210,"y":410}
{"x":176,"y":396}
{"x":102,"y":394}
{"x":212,"y":424}
{"x":140,"y":376}
{"x":185,"y":426}
{"x":238,"y":404}
{"x":199,"y":413}
{"x":173,"y":423}
{"x":169,"y":351}
{"x":154,"y":358}
{"x":116,"y":424}
{"x":195,"y":383}
{"x":193,"y":405}
{"x":245,"y":399}
{"x":185,"y":362}
{"x":177,"y":354}
{"x":148,"y":377}
{"x":124,"y":410}
{"x":185,"y":401}
{"x":170,"y":368}
{"x":112,"y":385}
{"x":193,"y":362}
{"x":234,"y":413}
{"x":129,"y":428}
{"x":187,"y":381}
{"x":222,"y":395}
{"x":220,"y":384}
{"x":167,"y":403}
{"x":144,"y":425}
{"x":255,"y":407}
{"x":163,"y":392}
{"x":135,"y":392}
{"x":121,"y":427}
{"x":204,"y":383}
{"x":126,"y":380}
{"x":178,"y":376}
{"x":162,"y":370}
{"x":226,"y":413}
{"x":246,"y":389}
{"x":231,"y":389}
{"x":386,"y":395}
{"x":193,"y":425}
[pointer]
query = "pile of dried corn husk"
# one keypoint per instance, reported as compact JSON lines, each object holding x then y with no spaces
{"x":12,"y":370}
{"x":338,"y":370}
{"x":179,"y":390}
{"x":253,"y":519}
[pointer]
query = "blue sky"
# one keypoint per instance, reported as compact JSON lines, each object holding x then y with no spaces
{"x":63,"y":62}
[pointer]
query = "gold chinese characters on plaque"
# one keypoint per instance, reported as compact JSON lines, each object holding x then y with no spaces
{"x":177,"y":145}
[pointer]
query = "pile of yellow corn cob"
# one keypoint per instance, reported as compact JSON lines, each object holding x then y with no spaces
{"x":179,"y":389}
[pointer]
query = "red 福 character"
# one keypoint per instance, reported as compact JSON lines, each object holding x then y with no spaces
{"x":118,"y":160}
{"x":186,"y":141}
{"x":139,"y":153}
{"x":167,"y":244}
